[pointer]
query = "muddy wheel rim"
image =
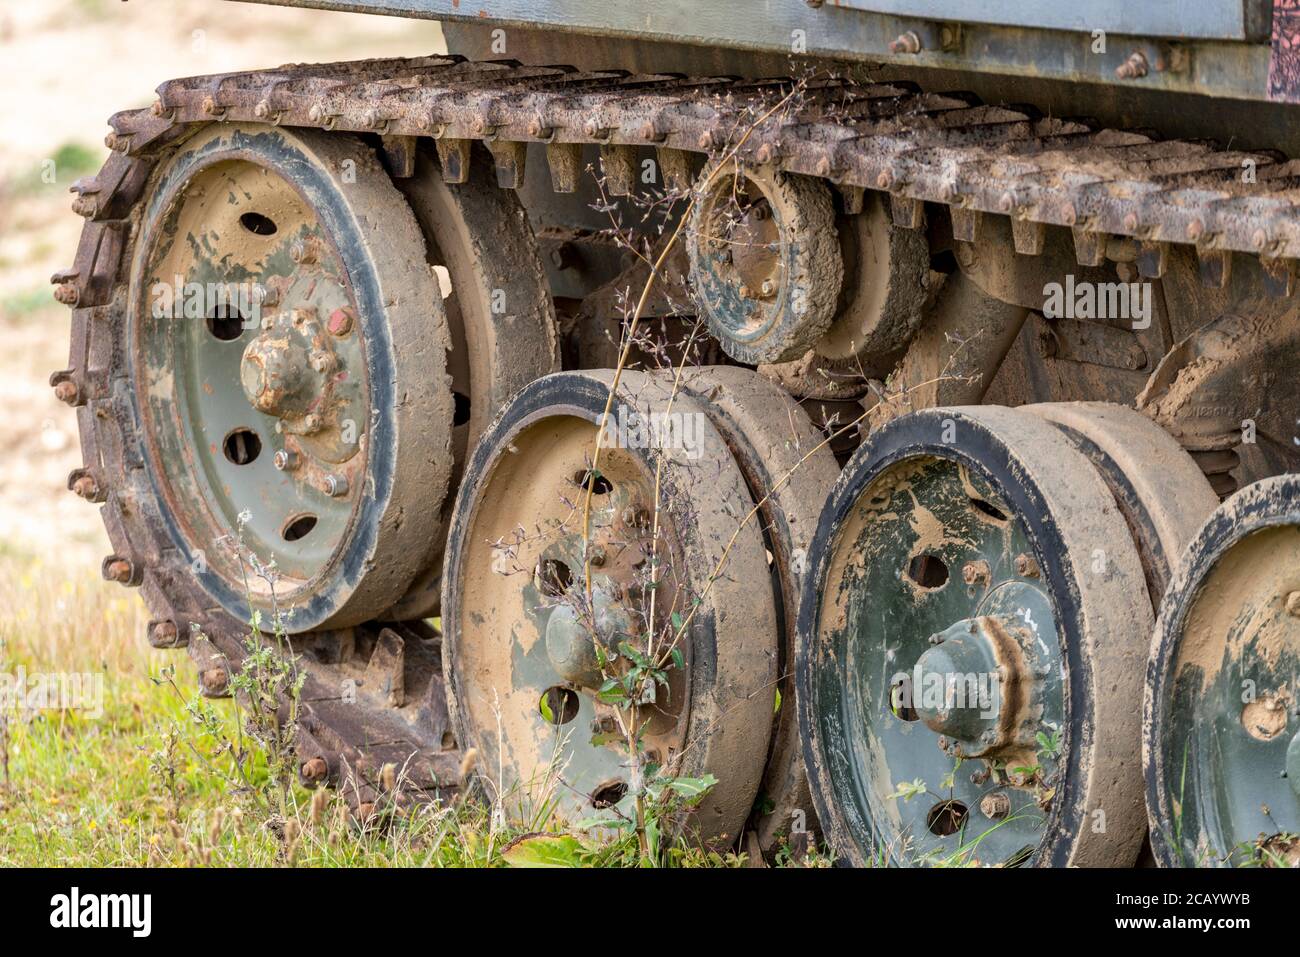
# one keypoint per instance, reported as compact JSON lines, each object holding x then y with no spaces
{"x":959,"y":540}
{"x":1222,"y":764}
{"x":515,"y":649}
{"x":271,"y":418}
{"x":765,"y":261}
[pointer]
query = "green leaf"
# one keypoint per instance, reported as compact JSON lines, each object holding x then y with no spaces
{"x":612,"y":692}
{"x":679,"y":660}
{"x":545,"y":706}
{"x":909,"y":789}
{"x":544,"y":850}
{"x":691,"y":789}
{"x":632,"y":654}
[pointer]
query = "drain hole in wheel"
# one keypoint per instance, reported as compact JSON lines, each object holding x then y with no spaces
{"x":225,"y":321}
{"x":553,"y":577}
{"x":559,"y":705}
{"x":598,"y":484}
{"x":258,"y":224}
{"x":946,"y":818}
{"x":298,"y":527}
{"x":461,"y":415}
{"x":986,"y":508}
{"x":242,"y":446}
{"x":928,"y":571}
{"x":900,"y":699}
{"x":608,"y":794}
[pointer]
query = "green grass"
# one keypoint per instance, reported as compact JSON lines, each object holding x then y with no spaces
{"x":148,"y":783}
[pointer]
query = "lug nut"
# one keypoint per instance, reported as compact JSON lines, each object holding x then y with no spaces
{"x":67,"y":294}
{"x":635,"y":516}
{"x":995,"y":806}
{"x":1026,"y":567}
{"x":286,"y":460}
{"x":596,"y":556}
{"x":314,"y":770}
{"x":768,"y":289}
{"x":336,"y":485}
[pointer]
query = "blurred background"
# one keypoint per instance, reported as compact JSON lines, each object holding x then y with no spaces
{"x":69,"y":65}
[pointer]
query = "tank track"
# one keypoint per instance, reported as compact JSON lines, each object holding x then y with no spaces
{"x":920,"y":147}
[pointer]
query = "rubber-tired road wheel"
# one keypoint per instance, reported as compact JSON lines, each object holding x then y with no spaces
{"x":970,"y":643}
{"x":1221,"y":729}
{"x":529,"y":659}
{"x":765,"y":261}
{"x":790,"y":470}
{"x":301,"y":419}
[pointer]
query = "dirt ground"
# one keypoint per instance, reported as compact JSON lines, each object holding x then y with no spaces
{"x":69,"y":65}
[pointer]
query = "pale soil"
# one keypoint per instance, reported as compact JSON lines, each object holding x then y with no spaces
{"x":70,"y":64}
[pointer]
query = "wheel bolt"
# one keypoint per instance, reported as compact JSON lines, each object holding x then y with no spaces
{"x":314,"y":770}
{"x":66,"y":293}
{"x":976,"y":573}
{"x":214,"y":682}
{"x":340,"y":322}
{"x":118,"y":570}
{"x":287,"y":460}
{"x":768,"y":289}
{"x":303,"y":252}
{"x":163,"y":634}
{"x":1293,"y":604}
{"x":66,"y":391}
{"x":1026,"y":567}
{"x":907,"y":42}
{"x":86,"y":487}
{"x":322,"y":361}
{"x":995,"y":806}
{"x":336,"y":485}
{"x":596,"y":556}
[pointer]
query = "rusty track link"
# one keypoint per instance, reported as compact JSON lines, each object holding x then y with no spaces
{"x":920,"y":147}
